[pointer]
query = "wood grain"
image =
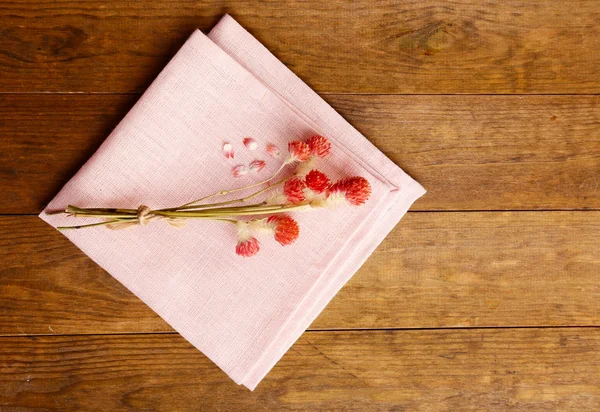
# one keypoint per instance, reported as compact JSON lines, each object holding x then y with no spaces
{"x":410,"y":46}
{"x":519,"y":291}
{"x":492,"y":370}
{"x":434,"y":270}
{"x":470,"y":152}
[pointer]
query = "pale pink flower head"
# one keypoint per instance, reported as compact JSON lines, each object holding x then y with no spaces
{"x":247,"y":244}
{"x":299,"y":151}
{"x":317,"y":181}
{"x":250,"y":143}
{"x":228,"y":150}
{"x":273,"y":150}
{"x":276,"y":198}
{"x":257,"y":165}
{"x":294,"y":190}
{"x":303,"y":168}
{"x":354,"y":190}
{"x":239,"y":170}
{"x":319,"y":145}
{"x":286,"y":229}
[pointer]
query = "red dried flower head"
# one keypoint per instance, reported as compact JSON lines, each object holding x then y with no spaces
{"x":319,"y":145}
{"x":286,"y":229}
{"x":247,"y":244}
{"x":294,"y":190}
{"x":248,"y":247}
{"x":299,"y":151}
{"x":317,"y":181}
{"x":356,"y":190}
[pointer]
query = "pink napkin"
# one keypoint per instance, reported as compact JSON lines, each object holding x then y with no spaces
{"x":243,"y":313}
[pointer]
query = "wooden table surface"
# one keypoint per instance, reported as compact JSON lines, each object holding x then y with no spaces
{"x":486,"y":296}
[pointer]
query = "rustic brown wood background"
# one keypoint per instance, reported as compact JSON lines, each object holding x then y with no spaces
{"x":485,"y":297}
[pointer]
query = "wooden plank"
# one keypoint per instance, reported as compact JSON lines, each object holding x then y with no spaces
{"x":46,"y":139}
{"x":488,"y":152}
{"x":408,"y":46}
{"x":470,"y":152}
{"x":434,"y":270}
{"x":492,"y":370}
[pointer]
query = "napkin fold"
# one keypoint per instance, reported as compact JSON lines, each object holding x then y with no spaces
{"x":243,"y":313}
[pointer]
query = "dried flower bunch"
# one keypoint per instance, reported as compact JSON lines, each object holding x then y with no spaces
{"x":307,"y":188}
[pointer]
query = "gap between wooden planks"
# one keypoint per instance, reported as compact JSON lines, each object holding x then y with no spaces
{"x":494,"y":369}
{"x":411,"y":46}
{"x":470,"y":152}
{"x":434,"y":270}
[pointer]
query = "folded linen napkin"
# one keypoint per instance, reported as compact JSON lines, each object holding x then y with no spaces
{"x":243,"y":313}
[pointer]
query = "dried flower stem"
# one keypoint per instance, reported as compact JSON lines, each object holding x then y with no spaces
{"x":223,"y":213}
{"x":117,"y":215}
{"x":226,"y":192}
{"x":217,"y":213}
{"x":108,"y":222}
{"x":240,"y":200}
{"x":134,"y":219}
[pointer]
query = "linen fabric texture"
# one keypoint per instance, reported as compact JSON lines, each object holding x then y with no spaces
{"x":242,"y":313}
